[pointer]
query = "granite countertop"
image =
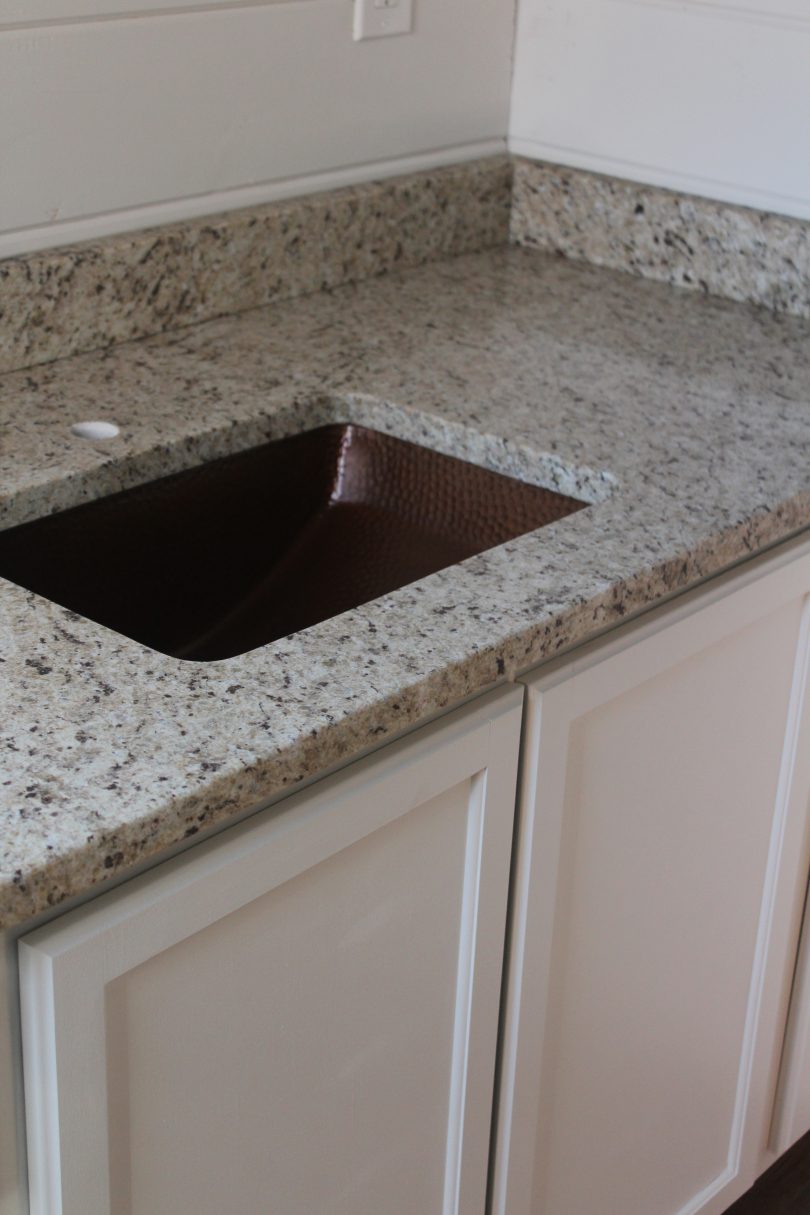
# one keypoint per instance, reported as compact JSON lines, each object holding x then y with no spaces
{"x":683,"y":420}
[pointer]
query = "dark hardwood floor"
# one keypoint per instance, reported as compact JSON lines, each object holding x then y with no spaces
{"x":784,"y":1189}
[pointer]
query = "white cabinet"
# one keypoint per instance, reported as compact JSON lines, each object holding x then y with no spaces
{"x":298,"y":1016}
{"x":301,"y":1015}
{"x":660,"y":875}
{"x":792,"y":1110}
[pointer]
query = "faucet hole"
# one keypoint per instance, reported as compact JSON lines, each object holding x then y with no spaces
{"x":94,"y":430}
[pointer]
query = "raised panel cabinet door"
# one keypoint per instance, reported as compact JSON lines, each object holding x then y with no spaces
{"x":297,"y":1016}
{"x":659,"y":877}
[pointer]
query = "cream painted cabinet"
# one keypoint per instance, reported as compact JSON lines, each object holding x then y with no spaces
{"x":660,"y":875}
{"x":297,"y":1016}
{"x":792,"y":1111}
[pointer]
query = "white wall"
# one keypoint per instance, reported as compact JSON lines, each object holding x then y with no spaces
{"x":706,"y":96}
{"x":110,"y":122}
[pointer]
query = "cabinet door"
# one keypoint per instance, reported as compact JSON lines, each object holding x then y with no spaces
{"x":659,"y":879}
{"x":792,"y":1111}
{"x":298,"y":1016}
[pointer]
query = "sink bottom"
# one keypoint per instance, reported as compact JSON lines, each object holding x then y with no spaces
{"x":217,"y":560}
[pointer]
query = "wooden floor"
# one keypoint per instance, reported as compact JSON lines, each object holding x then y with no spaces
{"x":784,"y":1189}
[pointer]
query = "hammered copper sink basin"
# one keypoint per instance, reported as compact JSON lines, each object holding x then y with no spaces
{"x":220,"y":559}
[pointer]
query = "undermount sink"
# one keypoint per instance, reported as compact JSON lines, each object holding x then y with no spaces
{"x":217,"y":560}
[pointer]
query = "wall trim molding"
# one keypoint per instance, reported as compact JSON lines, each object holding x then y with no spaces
{"x":152,"y":215}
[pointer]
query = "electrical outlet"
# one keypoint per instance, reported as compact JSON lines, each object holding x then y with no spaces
{"x":381,"y":18}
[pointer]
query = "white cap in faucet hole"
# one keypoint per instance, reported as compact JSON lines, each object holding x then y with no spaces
{"x":94,"y":430}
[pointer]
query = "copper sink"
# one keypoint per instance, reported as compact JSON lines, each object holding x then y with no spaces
{"x":223,"y":558}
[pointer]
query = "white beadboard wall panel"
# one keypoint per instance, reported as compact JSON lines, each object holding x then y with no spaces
{"x":105,"y":118}
{"x":707,"y":97}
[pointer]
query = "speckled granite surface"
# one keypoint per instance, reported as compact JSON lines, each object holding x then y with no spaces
{"x":82,"y":297}
{"x":684,"y":420}
{"x":724,"y":250}
{"x":88,"y":296}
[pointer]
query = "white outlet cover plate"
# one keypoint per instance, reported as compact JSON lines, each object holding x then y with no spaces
{"x":382,"y":18}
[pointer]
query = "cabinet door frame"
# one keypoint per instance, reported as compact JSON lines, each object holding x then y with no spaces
{"x":66,"y":965}
{"x":557,"y":694}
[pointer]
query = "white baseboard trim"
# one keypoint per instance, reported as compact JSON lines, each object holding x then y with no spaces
{"x":71,"y":231}
{"x":668,"y":179}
